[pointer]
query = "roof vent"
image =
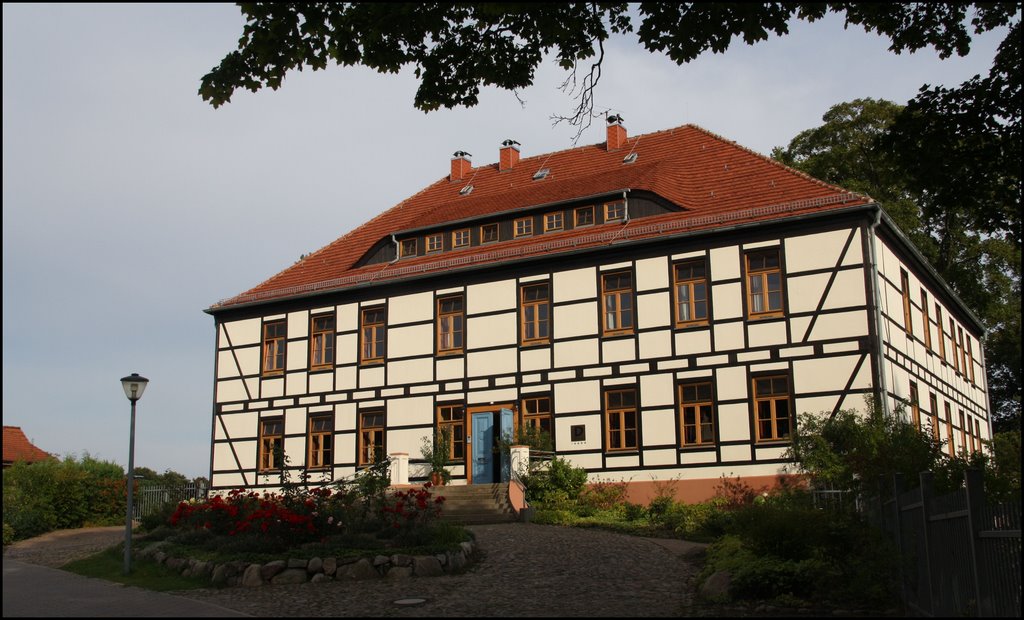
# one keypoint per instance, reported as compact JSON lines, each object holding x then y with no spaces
{"x":628,"y":159}
{"x":542,"y":173}
{"x":465,"y":191}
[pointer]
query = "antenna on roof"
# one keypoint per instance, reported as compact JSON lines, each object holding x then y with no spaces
{"x":510,"y":142}
{"x":615,"y":118}
{"x":461,"y":154}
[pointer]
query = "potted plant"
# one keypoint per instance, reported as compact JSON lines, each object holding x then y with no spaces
{"x":435,"y":453}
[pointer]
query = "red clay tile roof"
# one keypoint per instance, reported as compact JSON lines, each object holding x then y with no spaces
{"x":712,"y":179}
{"x":17,"y":447}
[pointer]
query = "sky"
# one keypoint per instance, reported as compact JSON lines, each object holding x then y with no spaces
{"x":130,"y":205}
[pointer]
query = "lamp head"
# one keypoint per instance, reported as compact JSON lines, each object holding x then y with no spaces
{"x":134,"y":385}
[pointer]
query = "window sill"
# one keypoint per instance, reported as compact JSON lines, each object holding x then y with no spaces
{"x":692,"y":324}
{"x":272,"y":373}
{"x":452,"y":353}
{"x":766,"y":316}
{"x":371,"y":363}
{"x":623,"y":452}
{"x":618,"y":334}
{"x":326,"y":368}
{"x":698,"y":447}
{"x":535,"y":343}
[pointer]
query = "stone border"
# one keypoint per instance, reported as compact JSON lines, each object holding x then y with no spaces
{"x":315,"y":570}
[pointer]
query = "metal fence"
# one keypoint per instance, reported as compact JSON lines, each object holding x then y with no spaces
{"x":149,"y":499}
{"x":961,"y":557}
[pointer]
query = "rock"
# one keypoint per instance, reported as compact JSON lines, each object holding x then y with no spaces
{"x":330,"y":566}
{"x":442,"y":558}
{"x":292,"y":575}
{"x":159,"y":557}
{"x":467,"y":548}
{"x":297,"y":563}
{"x":348,"y":559}
{"x":400,"y":572}
{"x":716,"y":587}
{"x":315,"y":565}
{"x":456,"y":561}
{"x":176,"y":564}
{"x":270,"y":569}
{"x":401,"y":560}
{"x":426,"y":566}
{"x":251,"y":577}
{"x":220,"y":575}
{"x":320,"y":578}
{"x":202,"y":569}
{"x":362,"y":570}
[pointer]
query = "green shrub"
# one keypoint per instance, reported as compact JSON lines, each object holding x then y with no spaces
{"x":560,"y":484}
{"x":603,"y":495}
{"x":633,"y":512}
{"x":8,"y":534}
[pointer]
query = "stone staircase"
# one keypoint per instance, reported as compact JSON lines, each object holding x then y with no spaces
{"x":476,"y":503}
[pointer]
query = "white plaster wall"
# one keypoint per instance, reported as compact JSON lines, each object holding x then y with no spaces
{"x":411,"y":308}
{"x":321,"y":382}
{"x":725,"y":263}
{"x":586,"y":461}
{"x":848,"y":291}
{"x":506,"y":396}
{"x":348,"y":317}
{"x":734,"y":422}
{"x":576,"y":396}
{"x":626,"y":460}
{"x":241,"y":333}
{"x":226,"y":367}
{"x":345,"y":378}
{"x":735,"y":453}
{"x":727,"y":301}
{"x":298,"y":324}
{"x":230,"y":391}
{"x":840,"y":325}
{"x":815,"y":251}
{"x":297,"y":356}
{"x":658,"y":427}
{"x":575,"y":320}
{"x":814,"y":404}
{"x":618,"y":350}
{"x":692,"y":341}
{"x":576,"y":352}
{"x":804,"y":292}
{"x":651,"y":273}
{"x":661,"y":457}
{"x":536,"y":358}
{"x":410,"y":340}
{"x":272,"y":388}
{"x":574,"y":284}
{"x":345,"y":417}
{"x":371,"y":377}
{"x":450,"y":369}
{"x":655,"y":344}
{"x":491,"y":331}
{"x":654,"y":310}
{"x":295,"y":383}
{"x":688,"y":457}
{"x":657,"y":390}
{"x":729,"y":336}
{"x":496,"y":362}
{"x":237,"y":426}
{"x":762,"y":333}
{"x":410,"y":371}
{"x":407,"y":440}
{"x":491,"y":296}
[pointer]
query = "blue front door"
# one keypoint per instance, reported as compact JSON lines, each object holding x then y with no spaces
{"x":483,"y":447}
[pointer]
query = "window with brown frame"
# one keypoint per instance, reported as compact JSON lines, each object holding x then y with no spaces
{"x":274,"y":345}
{"x":460,"y":238}
{"x":271,"y":444}
{"x":952,"y":341}
{"x":321,"y":341}
{"x":926,"y":320}
{"x":372,"y":335}
{"x":434,"y":243}
{"x":963,"y":432}
{"x":554,"y":221}
{"x":908,"y":323}
{"x":617,"y":303}
{"x":321,"y":442}
{"x":488,"y":233}
{"x":450,"y":325}
{"x":453,"y":418}
{"x":970,"y":434}
{"x":915,"y":407}
{"x":583,"y":216}
{"x":977,"y":434}
{"x":536,"y":317}
{"x":970,"y":358}
{"x":371,"y":437}
{"x":764,"y":283}
{"x":620,"y":419}
{"x":934,"y":416}
{"x":523,"y":227}
{"x":949,"y":429}
{"x":537,"y":415}
{"x":941,"y":332}
{"x":963,"y":351}
{"x":772,"y":408}
{"x":614,"y":211}
{"x":696,"y":414}
{"x":407,"y":248}
{"x":691,"y":290}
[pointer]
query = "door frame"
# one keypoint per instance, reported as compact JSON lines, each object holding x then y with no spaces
{"x":495,"y":407}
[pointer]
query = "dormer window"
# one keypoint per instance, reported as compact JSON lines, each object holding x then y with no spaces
{"x":554,"y":221}
{"x":488,"y":233}
{"x":460,"y":238}
{"x":614,"y":211}
{"x":407,"y":248}
{"x":435,"y":243}
{"x":583,"y":216}
{"x":524,"y":227}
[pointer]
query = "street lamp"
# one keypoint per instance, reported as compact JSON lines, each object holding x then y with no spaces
{"x":134,"y":385}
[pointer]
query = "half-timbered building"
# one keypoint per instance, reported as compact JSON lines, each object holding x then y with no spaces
{"x":663,"y":305}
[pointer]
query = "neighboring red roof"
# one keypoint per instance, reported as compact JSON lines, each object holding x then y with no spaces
{"x":712,"y":179}
{"x":17,"y":447}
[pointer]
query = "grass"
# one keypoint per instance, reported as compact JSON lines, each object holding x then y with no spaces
{"x":109,"y":565}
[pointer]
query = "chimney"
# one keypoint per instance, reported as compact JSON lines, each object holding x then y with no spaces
{"x":461,"y":165}
{"x":509,"y":155}
{"x":616,"y":133}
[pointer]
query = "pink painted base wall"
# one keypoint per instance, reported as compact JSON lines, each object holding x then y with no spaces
{"x":695,"y":491}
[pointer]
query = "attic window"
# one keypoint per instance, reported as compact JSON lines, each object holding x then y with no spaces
{"x":542,"y":173}
{"x":408,"y":248}
{"x":466,"y":190}
{"x":628,"y":159}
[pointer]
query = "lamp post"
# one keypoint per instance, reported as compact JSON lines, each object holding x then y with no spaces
{"x":134,"y":385}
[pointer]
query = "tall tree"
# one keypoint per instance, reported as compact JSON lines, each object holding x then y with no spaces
{"x":865,"y":145}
